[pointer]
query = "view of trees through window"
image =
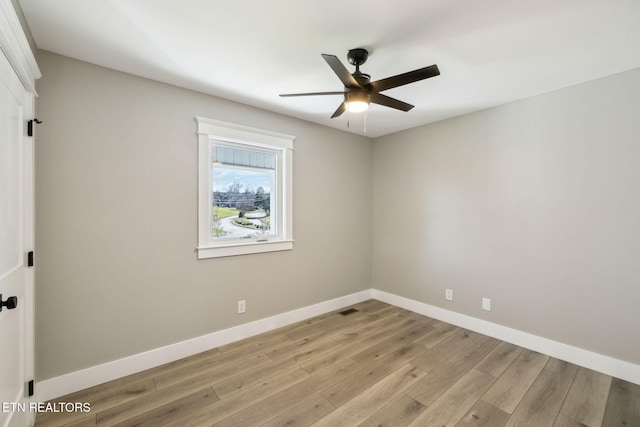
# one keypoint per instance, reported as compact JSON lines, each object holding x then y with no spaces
{"x":241,"y":202}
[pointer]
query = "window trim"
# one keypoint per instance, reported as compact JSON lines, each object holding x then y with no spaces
{"x":209,"y":129}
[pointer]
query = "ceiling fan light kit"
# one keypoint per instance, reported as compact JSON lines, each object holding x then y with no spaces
{"x":357,"y":102}
{"x":359,"y":91}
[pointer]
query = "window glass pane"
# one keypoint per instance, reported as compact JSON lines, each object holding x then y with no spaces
{"x":242,"y":205}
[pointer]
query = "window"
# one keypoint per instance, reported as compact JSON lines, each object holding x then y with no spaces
{"x":244,"y":190}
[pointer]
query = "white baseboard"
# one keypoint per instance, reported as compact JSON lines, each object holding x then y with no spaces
{"x":89,"y":377}
{"x":588,"y":359}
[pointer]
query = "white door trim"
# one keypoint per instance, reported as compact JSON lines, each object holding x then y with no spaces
{"x":19,"y":72}
{"x":16,"y":47}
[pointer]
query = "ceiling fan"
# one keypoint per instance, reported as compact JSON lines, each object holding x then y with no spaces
{"x":359,"y":91}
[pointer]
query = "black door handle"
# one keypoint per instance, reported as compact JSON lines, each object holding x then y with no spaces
{"x":10,"y":303}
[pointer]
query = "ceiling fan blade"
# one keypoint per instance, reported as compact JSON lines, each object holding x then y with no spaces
{"x":387,"y":101}
{"x":343,"y":74}
{"x":312,"y":94}
{"x":341,"y":109}
{"x":405,"y":78}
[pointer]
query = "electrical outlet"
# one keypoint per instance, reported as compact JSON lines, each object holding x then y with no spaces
{"x":242,"y":306}
{"x":448,"y":294}
{"x":486,"y":304}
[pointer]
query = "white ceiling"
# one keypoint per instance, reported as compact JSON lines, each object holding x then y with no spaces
{"x":489,"y":52}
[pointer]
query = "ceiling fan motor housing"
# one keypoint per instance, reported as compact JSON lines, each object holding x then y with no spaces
{"x":362,"y":78}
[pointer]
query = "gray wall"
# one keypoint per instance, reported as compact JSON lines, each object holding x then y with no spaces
{"x":116,"y":217}
{"x":534,"y":204}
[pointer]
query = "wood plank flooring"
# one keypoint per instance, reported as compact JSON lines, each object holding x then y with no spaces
{"x":378,"y":366}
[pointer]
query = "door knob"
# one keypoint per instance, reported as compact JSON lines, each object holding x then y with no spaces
{"x":10,"y":303}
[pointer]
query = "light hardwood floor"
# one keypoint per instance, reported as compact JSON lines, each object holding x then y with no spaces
{"x":377,"y":366}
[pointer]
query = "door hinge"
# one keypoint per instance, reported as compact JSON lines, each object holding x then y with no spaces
{"x":30,"y":126}
{"x":30,"y":259}
{"x":30,"y":388}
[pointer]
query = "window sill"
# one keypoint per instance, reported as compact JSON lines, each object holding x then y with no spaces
{"x":244,"y":249}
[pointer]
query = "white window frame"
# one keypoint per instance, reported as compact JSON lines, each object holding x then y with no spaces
{"x":210,"y":131}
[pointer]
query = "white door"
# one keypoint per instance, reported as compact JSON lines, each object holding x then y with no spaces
{"x":16,"y":240}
